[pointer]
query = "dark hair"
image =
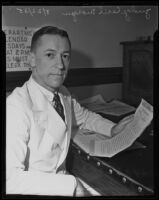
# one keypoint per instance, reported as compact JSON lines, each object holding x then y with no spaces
{"x":47,"y":30}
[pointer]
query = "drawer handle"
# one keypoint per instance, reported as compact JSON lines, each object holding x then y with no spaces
{"x":110,"y":171}
{"x":124,"y":180}
{"x":88,"y":157}
{"x":140,"y":189}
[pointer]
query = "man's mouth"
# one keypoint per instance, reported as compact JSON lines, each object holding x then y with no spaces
{"x":56,"y":74}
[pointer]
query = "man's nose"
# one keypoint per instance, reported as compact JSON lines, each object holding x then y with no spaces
{"x":60,"y":63}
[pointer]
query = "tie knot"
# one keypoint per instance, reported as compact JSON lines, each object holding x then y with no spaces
{"x":56,"y":97}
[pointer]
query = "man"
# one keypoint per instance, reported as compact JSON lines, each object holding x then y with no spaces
{"x":38,"y":135}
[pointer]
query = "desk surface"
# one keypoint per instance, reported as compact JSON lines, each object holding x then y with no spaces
{"x":131,"y":172}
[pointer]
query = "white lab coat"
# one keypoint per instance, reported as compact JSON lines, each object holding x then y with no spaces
{"x":37,"y":141}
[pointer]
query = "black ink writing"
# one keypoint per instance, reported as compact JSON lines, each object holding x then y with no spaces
{"x":33,"y":11}
{"x":100,"y":11}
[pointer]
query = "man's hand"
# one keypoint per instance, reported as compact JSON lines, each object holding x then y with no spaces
{"x":80,"y":190}
{"x":116,"y":129}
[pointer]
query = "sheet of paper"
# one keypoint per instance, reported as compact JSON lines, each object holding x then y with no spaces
{"x":115,"y":107}
{"x":97,"y":99}
{"x":99,"y":145}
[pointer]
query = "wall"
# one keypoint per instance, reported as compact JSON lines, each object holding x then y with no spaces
{"x":95,"y":32}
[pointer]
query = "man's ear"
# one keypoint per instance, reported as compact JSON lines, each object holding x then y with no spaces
{"x":32,"y":60}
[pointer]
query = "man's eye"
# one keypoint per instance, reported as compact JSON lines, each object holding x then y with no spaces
{"x":66,"y":56}
{"x":50,"y":55}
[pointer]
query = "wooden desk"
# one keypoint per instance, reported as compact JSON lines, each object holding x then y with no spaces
{"x":128,"y":173}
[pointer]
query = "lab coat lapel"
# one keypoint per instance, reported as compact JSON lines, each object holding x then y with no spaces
{"x":67,"y":109}
{"x":45,"y":115}
{"x":68,"y":116}
{"x":68,"y":125}
{"x":56,"y":126}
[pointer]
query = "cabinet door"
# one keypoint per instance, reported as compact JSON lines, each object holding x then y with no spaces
{"x":138,"y":72}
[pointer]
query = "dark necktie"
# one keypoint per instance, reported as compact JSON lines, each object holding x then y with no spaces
{"x":58,"y":106}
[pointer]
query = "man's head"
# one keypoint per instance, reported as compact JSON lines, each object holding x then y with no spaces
{"x":50,"y":56}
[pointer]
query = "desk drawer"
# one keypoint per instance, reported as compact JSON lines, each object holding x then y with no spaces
{"x":101,"y":176}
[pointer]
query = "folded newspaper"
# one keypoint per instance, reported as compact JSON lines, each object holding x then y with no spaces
{"x":97,"y":144}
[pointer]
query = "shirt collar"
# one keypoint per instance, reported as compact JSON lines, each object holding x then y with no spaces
{"x":49,"y":95}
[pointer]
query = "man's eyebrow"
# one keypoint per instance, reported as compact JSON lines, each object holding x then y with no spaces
{"x":66,"y":52}
{"x":50,"y":50}
{"x":53,"y":50}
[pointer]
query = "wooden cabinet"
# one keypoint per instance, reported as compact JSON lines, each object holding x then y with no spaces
{"x":137,"y":71}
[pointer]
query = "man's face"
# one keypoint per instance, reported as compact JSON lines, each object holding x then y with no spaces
{"x":51,"y":60}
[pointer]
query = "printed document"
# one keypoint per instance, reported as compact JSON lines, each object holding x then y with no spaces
{"x":99,"y":105}
{"x":97,"y":144}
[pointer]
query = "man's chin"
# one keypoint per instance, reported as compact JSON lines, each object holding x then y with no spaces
{"x":56,"y":85}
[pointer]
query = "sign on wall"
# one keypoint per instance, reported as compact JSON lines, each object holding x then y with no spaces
{"x":18,"y":40}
